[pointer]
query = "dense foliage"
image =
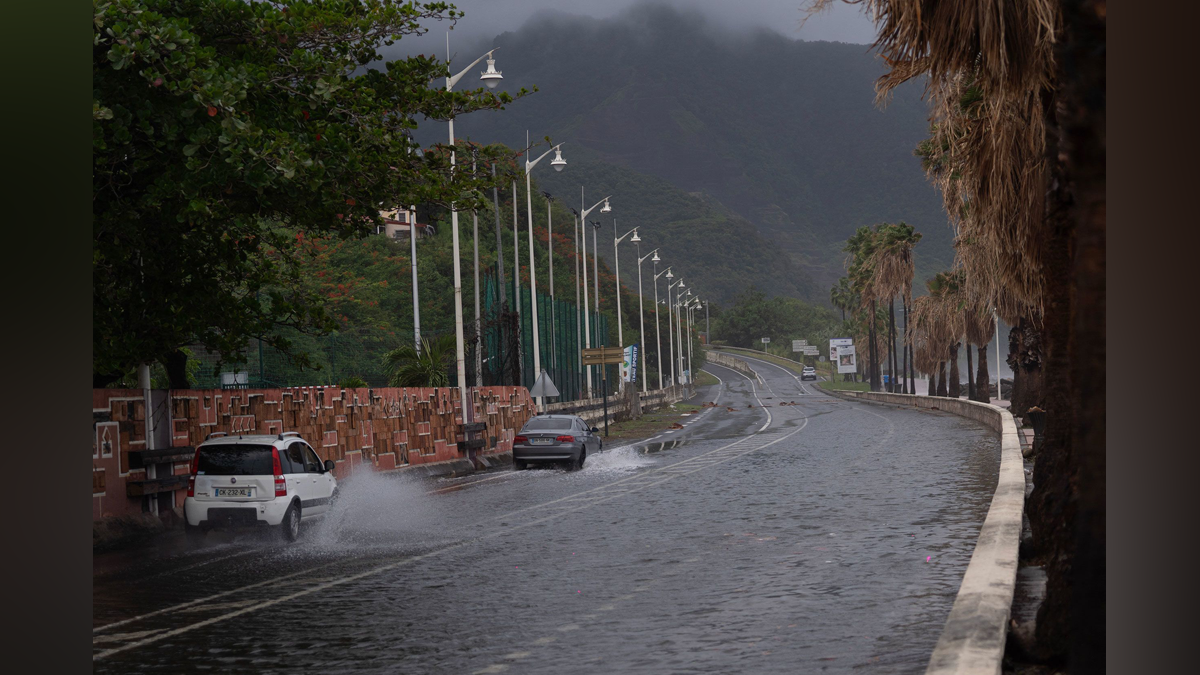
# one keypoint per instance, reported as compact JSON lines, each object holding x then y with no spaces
{"x":222,"y":128}
{"x":754,"y":316}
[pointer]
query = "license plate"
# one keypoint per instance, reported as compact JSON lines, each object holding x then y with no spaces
{"x":541,"y":441}
{"x":233,"y":492}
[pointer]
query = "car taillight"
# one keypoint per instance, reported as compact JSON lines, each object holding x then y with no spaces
{"x":191,"y":486}
{"x":520,"y":439}
{"x":565,"y":439}
{"x":196,"y":462}
{"x":280,"y":483}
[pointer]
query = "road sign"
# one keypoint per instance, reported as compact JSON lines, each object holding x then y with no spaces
{"x":599,"y":356}
{"x":766,"y":340}
{"x":544,"y":386}
{"x":799,"y":345}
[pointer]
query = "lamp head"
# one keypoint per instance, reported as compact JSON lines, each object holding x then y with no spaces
{"x":635,"y":237}
{"x":681,"y":284}
{"x":492,"y":77}
{"x":670,"y":274}
{"x":656,"y":258}
{"x":558,"y":162}
{"x":606,"y":208}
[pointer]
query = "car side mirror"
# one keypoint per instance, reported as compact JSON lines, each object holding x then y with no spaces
{"x":329,"y":466}
{"x":595,"y":430}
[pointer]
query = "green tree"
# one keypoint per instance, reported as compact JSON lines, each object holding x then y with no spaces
{"x":222,"y":128}
{"x":430,"y":367}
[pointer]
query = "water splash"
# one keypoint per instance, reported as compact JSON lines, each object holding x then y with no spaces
{"x":375,"y":509}
{"x":619,"y":459}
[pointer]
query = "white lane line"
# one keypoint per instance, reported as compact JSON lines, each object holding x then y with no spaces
{"x":803,"y":388}
{"x":202,"y":563}
{"x":545,"y":640}
{"x":222,"y":594}
{"x":408,"y":561}
{"x":494,"y":668}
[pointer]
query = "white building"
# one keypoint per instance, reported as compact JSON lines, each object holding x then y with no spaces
{"x":396,"y":224}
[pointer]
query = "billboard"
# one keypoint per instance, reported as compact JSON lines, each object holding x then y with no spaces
{"x":846,"y":359}
{"x":834,"y":343}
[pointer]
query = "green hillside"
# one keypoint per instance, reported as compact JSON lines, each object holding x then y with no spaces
{"x":783,"y":133}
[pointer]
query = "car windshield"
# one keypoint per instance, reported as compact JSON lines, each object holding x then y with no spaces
{"x":236,"y":460}
{"x":547,"y":424}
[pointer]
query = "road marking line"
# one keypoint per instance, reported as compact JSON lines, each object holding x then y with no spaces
{"x":516,"y":655}
{"x":545,"y":640}
{"x":494,"y":668}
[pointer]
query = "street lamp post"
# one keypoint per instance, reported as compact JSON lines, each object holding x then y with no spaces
{"x":671,"y":329}
{"x":657,"y":330}
{"x":519,"y":342}
{"x":596,"y":280}
{"x":478,"y":322}
{"x":587,"y":330}
{"x":617,"y":273}
{"x":558,"y":163}
{"x":550,"y":267}
{"x":491,"y":78}
{"x":642,"y":312}
{"x":679,"y":325}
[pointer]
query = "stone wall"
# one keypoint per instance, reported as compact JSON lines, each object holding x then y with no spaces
{"x":381,"y":429}
{"x":737,"y":364}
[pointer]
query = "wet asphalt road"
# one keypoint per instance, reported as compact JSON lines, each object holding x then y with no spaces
{"x":828,"y":536}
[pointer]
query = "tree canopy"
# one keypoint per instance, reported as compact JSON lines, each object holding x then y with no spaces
{"x":223,"y":128}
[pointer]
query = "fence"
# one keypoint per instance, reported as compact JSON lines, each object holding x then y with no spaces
{"x":505,"y":341}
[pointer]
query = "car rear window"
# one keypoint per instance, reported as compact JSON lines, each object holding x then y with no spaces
{"x":236,"y":460}
{"x":548,"y":424}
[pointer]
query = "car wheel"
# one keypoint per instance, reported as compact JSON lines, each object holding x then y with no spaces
{"x":518,"y":465}
{"x":289,"y":529}
{"x":582,"y":457}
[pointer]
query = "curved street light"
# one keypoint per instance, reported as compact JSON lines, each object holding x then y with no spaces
{"x":642,"y":313}
{"x":537,"y":344}
{"x":587,"y":326}
{"x":657,"y":331}
{"x":490,"y":78}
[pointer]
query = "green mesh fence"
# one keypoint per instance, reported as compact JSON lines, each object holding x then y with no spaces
{"x":505,"y":341}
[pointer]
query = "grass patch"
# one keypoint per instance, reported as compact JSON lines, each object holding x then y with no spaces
{"x":846,"y":386}
{"x":705,"y":378}
{"x":648,"y":424}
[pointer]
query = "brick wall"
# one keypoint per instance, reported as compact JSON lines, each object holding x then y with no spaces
{"x":381,"y":429}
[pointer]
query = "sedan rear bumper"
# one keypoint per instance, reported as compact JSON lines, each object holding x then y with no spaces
{"x":543,"y":453}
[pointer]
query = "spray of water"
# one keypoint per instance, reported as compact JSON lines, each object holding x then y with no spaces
{"x":376,"y":510}
{"x":623,"y":458}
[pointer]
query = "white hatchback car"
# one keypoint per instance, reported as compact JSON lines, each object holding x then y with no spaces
{"x":274,"y":481}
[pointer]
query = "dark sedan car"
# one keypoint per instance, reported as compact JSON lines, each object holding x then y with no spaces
{"x":553,"y":439}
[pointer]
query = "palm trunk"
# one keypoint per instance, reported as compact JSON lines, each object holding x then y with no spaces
{"x":970,"y":375}
{"x":941,"y":378}
{"x":955,"y":388}
{"x":892,"y":346}
{"x":876,"y":385}
{"x":982,"y":379}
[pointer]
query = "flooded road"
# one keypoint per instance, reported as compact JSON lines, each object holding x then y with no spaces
{"x":826,"y":536}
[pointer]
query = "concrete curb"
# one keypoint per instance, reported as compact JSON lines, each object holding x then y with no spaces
{"x":451,"y":467}
{"x":973,"y":638}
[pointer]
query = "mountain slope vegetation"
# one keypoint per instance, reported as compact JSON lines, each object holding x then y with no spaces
{"x":782,"y":133}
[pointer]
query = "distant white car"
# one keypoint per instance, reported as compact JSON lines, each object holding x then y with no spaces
{"x":257,"y":481}
{"x":809,"y":373}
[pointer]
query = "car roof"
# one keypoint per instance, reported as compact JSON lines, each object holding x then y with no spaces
{"x":264,"y":439}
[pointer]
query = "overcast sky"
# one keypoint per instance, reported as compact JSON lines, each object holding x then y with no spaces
{"x":488,"y":18}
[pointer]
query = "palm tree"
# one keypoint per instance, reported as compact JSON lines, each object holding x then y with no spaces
{"x":406,"y":367}
{"x":891,"y":268}
{"x":1009,"y":81}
